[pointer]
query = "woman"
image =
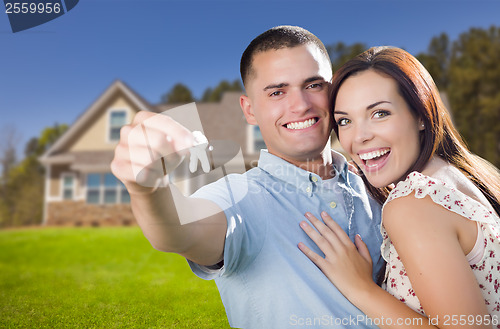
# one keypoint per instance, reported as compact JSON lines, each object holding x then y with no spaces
{"x":441,"y":203}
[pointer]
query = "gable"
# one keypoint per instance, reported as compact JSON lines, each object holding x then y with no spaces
{"x":96,"y":135}
{"x":90,"y":132}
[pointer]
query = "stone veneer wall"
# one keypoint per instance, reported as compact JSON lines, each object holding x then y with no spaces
{"x":79,"y":213}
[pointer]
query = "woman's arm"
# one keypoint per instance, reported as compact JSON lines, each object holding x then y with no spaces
{"x":433,"y":258}
{"x":428,"y":241}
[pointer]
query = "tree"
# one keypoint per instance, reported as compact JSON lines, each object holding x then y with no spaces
{"x":178,"y":94}
{"x":24,"y":198}
{"x":9,"y":138}
{"x":49,"y":136}
{"x":215,"y":95}
{"x":437,"y":60}
{"x":21,"y":194}
{"x":474,"y":90}
{"x":341,"y":53}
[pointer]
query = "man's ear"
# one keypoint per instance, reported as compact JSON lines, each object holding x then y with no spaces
{"x":246,"y":107}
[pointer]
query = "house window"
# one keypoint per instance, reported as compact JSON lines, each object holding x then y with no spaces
{"x":93,"y":188}
{"x":258,"y":140}
{"x":124,"y":196}
{"x":68,"y":188}
{"x":117,"y":119}
{"x":110,"y":189}
{"x":106,"y":189}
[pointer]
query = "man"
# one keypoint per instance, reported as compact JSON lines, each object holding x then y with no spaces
{"x":249,"y":246}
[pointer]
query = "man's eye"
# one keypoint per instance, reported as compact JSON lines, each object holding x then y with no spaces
{"x":276,"y":93}
{"x":315,"y":85}
{"x":343,"y":121}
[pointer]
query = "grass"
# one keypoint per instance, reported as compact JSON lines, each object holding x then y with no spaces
{"x":99,"y":278}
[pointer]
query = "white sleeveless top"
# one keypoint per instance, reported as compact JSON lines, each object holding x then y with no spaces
{"x":484,"y":259}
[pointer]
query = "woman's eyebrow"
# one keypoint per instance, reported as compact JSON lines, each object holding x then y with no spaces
{"x":369,"y":107}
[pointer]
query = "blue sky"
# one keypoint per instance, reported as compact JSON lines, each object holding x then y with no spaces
{"x":53,"y":72}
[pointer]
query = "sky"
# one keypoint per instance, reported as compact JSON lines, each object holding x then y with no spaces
{"x":52,"y":73}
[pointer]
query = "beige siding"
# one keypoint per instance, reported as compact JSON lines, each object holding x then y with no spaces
{"x":55,"y":179}
{"x":96,"y":138}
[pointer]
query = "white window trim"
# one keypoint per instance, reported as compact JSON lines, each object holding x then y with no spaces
{"x":46,"y":194}
{"x":119,"y":190}
{"x":61,"y":194}
{"x":251,"y":140}
{"x":82,"y":188}
{"x":54,"y":199}
{"x":108,"y":121}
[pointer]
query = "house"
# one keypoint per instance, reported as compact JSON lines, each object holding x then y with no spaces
{"x":79,"y":186}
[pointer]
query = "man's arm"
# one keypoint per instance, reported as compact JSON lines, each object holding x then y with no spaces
{"x":193,"y":228}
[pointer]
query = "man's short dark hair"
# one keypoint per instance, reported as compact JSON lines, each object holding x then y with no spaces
{"x":278,"y":37}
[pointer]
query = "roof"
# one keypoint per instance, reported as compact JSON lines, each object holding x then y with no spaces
{"x":81,"y":122}
{"x":222,"y":122}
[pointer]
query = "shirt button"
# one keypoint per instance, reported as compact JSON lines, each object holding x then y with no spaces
{"x":308,"y":189}
{"x":333,"y":204}
{"x":314,"y":179}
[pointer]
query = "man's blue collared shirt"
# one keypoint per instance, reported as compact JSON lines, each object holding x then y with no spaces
{"x":266,"y":281}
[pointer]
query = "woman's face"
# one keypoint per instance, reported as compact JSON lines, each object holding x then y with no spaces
{"x":377,"y":127}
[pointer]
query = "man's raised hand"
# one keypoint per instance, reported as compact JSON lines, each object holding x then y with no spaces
{"x":151,"y":147}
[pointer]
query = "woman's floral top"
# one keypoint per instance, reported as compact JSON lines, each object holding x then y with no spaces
{"x":484,"y":259}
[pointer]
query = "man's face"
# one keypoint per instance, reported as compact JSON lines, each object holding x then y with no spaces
{"x":287,"y":97}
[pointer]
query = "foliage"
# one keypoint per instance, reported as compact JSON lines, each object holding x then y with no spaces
{"x":467,"y":70}
{"x":473,"y":91}
{"x":341,"y":53}
{"x":437,"y":60}
{"x":24,"y":194}
{"x":99,"y":278}
{"x":21,"y":191}
{"x":182,"y":94}
{"x":49,"y":136}
{"x":8,"y":141}
{"x":215,"y":95}
{"x":178,"y":94}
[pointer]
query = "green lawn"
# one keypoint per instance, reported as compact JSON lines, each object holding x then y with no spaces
{"x":99,"y":278}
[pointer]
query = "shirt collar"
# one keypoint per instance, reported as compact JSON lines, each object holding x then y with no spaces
{"x":292,"y":174}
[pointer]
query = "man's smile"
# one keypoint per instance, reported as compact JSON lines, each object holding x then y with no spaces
{"x":301,"y":124}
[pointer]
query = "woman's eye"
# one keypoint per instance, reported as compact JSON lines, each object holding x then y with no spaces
{"x":343,"y":122}
{"x":380,"y":114}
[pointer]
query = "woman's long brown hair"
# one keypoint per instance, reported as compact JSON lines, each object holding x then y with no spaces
{"x":439,"y":137}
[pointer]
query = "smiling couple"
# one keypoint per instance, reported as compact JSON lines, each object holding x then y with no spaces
{"x":309,"y":254}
